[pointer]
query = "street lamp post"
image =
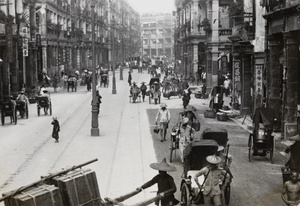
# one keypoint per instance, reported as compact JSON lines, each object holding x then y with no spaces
{"x":95,"y":109}
{"x":114,"y":90}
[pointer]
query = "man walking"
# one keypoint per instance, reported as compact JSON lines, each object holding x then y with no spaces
{"x":163,"y":118}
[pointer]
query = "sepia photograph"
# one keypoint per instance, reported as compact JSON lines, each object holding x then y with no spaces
{"x":150,"y":102}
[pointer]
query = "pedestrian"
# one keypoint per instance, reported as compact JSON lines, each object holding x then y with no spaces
{"x":99,"y":97}
{"x":45,"y":94}
{"x":165,"y":183}
{"x":13,"y":106}
{"x":54,"y":83}
{"x":212,"y":190}
{"x":56,"y":129}
{"x":22,"y":97}
{"x":186,"y":97}
{"x":129,"y":78}
{"x":186,"y":133}
{"x":162,"y":119}
{"x":291,"y":190}
{"x":203,"y":77}
{"x":143,"y":90}
{"x":227,"y":86}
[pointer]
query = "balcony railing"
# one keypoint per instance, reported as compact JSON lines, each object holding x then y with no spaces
{"x":225,"y":32}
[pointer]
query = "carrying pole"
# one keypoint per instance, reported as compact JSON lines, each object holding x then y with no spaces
{"x":14,"y":192}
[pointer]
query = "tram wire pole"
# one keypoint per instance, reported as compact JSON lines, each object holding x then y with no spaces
{"x":95,"y":109}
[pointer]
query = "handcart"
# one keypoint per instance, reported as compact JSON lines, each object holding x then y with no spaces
{"x":74,"y":186}
{"x":45,"y":103}
{"x":8,"y":109}
{"x":22,"y":107}
{"x":72,"y":84}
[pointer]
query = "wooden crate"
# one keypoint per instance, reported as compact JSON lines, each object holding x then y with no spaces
{"x":79,"y":187}
{"x":41,"y":195}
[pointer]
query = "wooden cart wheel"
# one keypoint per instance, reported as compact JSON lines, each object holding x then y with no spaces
{"x":171,"y":149}
{"x":68,"y":87}
{"x":2,"y":118}
{"x":15,"y":116}
{"x":250,"y":147}
{"x":50,"y":106}
{"x":185,"y":195}
{"x":38,"y":110}
{"x":149,"y":98}
{"x":227,"y":194}
{"x":75,"y":88}
{"x":26,"y":112}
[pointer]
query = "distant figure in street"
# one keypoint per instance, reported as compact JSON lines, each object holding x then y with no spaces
{"x":162,"y":119}
{"x":203,"y":77}
{"x":165,"y":183}
{"x":129,"y":78}
{"x":99,"y":97}
{"x":56,"y":129}
{"x":143,"y":89}
{"x":291,"y":190}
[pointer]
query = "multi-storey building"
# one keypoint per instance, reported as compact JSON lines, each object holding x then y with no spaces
{"x":52,"y":37}
{"x":282,"y":67}
{"x":157,"y":34}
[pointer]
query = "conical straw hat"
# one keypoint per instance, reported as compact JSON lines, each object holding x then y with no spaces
{"x":163,"y":166}
{"x":213,"y":159}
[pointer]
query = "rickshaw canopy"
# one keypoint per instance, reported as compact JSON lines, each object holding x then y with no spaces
{"x":153,"y":79}
{"x":196,"y":152}
{"x":219,"y":135}
{"x":265,"y":116}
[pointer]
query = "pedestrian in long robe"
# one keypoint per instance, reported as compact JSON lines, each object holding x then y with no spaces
{"x":56,"y":129}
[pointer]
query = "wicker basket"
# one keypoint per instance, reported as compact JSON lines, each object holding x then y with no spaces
{"x":221,"y":116}
{"x":210,"y":114}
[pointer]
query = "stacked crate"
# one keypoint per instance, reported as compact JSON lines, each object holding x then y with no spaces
{"x":78,"y":187}
{"x":41,"y":195}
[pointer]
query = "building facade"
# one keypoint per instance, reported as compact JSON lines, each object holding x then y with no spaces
{"x":52,"y":37}
{"x":157,"y":34}
{"x":283,"y":62}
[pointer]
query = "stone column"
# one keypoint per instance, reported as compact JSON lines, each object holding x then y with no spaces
{"x":273,"y":77}
{"x":292,"y":79}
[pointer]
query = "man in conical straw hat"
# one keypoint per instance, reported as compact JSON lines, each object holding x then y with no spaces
{"x":213,"y":176}
{"x":164,"y":181}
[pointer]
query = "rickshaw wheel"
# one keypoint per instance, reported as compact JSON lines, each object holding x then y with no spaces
{"x":50,"y":106}
{"x":271,"y":155}
{"x":26,"y":112}
{"x":15,"y":116}
{"x":38,"y":111}
{"x":185,"y":195}
{"x":149,"y":99}
{"x":250,"y":147}
{"x":68,"y":87}
{"x":171,"y":149}
{"x":159,"y":100}
{"x":75,"y":88}
{"x":227,"y":194}
{"x":2,"y":118}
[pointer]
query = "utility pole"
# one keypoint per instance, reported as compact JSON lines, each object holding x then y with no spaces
{"x":114,"y":90}
{"x":95,"y":109}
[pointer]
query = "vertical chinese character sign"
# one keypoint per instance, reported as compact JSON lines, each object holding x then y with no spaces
{"x":25,"y":41}
{"x":258,"y":79}
{"x":237,"y":81}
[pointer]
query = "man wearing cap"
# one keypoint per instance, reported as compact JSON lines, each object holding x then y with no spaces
{"x":165,"y":183}
{"x":213,"y":176}
{"x":186,"y":135}
{"x":143,"y":90}
{"x":162,"y":119}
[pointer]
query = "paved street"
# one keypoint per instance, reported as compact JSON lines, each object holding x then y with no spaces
{"x":125,"y":148}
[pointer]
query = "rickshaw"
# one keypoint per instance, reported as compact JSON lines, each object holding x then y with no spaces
{"x":195,"y":159}
{"x":219,"y":135}
{"x":216,"y":101}
{"x":154,"y":92}
{"x":8,"y":109}
{"x":261,"y":141}
{"x":134,"y":95}
{"x":22,"y":107}
{"x":175,"y":135}
{"x":45,"y":103}
{"x":72,"y":83}
{"x":104,"y":80}
{"x":171,"y":88}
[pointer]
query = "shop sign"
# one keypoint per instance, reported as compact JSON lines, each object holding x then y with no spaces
{"x":258,"y":79}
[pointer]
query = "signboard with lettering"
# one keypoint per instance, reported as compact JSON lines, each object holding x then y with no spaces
{"x":258,"y":79}
{"x":237,"y":81}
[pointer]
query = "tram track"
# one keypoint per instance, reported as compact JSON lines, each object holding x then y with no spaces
{"x":47,"y":139}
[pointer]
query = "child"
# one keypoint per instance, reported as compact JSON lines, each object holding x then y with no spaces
{"x":56,"y":129}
